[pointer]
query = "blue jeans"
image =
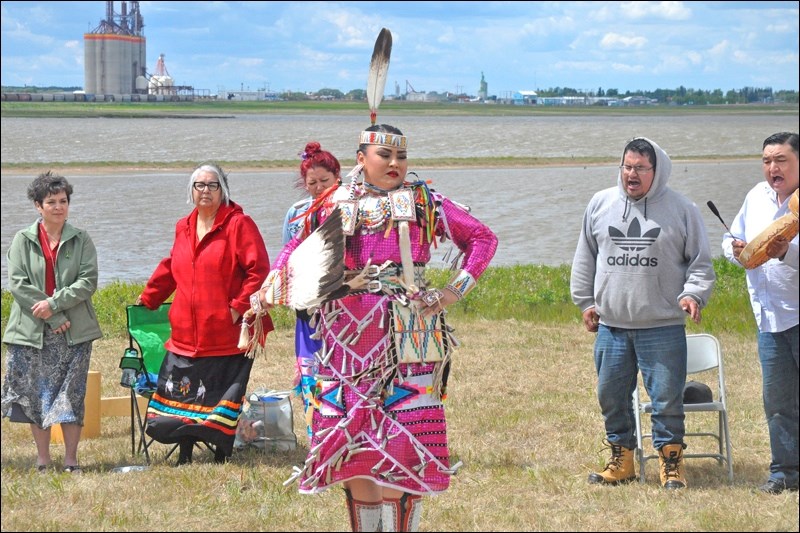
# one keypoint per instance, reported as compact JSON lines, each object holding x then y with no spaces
{"x":779,"y":369}
{"x":660,"y":354}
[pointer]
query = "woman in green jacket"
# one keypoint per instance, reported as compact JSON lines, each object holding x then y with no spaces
{"x":52,"y":275}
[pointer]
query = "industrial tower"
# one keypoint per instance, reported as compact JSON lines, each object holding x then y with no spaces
{"x":115,"y":53}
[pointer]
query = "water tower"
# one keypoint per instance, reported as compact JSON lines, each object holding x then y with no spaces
{"x":115,"y":52}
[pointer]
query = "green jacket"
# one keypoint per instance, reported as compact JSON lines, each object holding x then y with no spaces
{"x":76,"y":282}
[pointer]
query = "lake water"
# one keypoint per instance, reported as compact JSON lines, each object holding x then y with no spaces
{"x":275,"y":137}
{"x":536,"y":212}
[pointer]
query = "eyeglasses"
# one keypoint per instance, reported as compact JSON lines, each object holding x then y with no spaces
{"x":639,"y":170}
{"x":201,"y":186}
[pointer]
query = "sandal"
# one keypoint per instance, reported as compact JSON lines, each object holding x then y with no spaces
{"x":42,"y":469}
{"x":73,"y":469}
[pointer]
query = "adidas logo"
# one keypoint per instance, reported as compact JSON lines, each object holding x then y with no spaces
{"x":634,"y":241}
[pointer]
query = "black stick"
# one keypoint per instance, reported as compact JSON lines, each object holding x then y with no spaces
{"x":716,"y":212}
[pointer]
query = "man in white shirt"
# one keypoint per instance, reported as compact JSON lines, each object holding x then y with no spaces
{"x":773,"y":288}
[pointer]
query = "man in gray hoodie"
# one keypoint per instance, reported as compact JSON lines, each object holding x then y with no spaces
{"x":642,"y":263}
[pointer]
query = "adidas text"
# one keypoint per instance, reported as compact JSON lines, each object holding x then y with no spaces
{"x":636,"y":260}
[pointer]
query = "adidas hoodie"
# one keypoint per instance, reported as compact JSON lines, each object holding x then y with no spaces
{"x":636,"y":259}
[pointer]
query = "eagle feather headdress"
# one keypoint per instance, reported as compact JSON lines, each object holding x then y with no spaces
{"x":378,"y":69}
{"x":376,"y":82}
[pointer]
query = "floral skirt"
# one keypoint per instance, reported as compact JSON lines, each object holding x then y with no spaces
{"x":47,"y":386}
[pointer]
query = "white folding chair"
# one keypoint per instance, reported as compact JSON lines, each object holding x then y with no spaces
{"x":704,"y":353}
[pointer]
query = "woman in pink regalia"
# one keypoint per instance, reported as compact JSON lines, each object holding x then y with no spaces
{"x":379,"y":424}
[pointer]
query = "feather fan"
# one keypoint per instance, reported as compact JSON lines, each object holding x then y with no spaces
{"x":378,"y":69}
{"x":314,"y":272}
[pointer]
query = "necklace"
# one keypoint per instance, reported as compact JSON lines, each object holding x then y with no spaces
{"x":373,"y":212}
{"x":377,"y":190}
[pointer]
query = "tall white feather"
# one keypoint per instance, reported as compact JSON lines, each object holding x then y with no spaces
{"x":378,"y":69}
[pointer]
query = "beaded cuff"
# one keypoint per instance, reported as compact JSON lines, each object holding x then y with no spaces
{"x":462,"y":284}
{"x":255,"y":304}
{"x":385,"y":139}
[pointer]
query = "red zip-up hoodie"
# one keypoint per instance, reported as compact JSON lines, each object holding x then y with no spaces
{"x":219,"y":273}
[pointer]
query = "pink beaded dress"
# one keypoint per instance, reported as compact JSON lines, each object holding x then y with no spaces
{"x":375,"y":418}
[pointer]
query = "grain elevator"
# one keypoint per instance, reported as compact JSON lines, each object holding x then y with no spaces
{"x":115,"y":53}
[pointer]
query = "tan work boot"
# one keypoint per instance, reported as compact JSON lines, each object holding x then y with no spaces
{"x":670,"y":459}
{"x":619,"y":469}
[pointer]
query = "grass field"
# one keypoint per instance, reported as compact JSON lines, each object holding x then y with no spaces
{"x":389,"y":107}
{"x":522,"y":414}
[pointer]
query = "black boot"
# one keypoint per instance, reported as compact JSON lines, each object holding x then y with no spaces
{"x":185,"y":452}
{"x":219,"y":455}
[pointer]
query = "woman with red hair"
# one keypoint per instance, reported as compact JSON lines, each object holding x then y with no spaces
{"x":319,"y":170}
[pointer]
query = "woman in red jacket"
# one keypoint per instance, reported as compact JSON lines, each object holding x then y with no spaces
{"x":218,"y":260}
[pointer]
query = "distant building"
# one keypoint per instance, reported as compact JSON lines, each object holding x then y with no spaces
{"x":241,"y":96}
{"x":524,"y":98}
{"x":564,"y":100}
{"x":415,"y":97}
{"x":431,"y":96}
{"x":602,"y":101}
{"x":412,"y":95}
{"x":483,"y":92}
{"x":161,"y":82}
{"x":638,"y":100}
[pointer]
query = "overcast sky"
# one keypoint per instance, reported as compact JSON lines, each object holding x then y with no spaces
{"x":438,"y":46}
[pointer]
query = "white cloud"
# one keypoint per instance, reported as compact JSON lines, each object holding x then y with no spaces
{"x":672,"y":10}
{"x":781,"y":28}
{"x":605,"y":13}
{"x":659,"y":10}
{"x":741,"y":57}
{"x":721,"y":49}
{"x":627,"y":69}
{"x":547,"y":26}
{"x":447,"y":36}
{"x":616,"y":41}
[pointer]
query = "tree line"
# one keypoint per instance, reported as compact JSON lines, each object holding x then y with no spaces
{"x":684,"y":96}
{"x":678,"y":96}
